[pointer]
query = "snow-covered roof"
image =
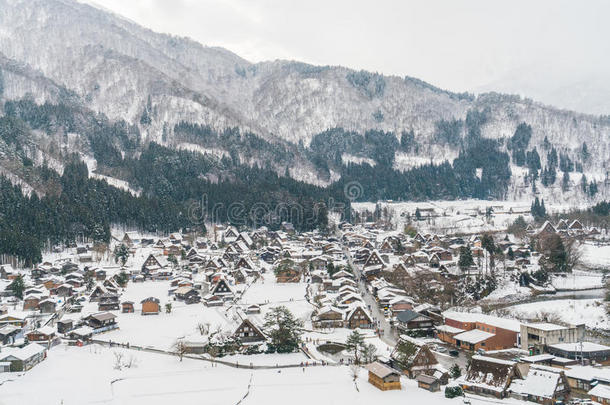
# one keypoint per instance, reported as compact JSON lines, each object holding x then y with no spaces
{"x":448,"y":329}
{"x":23,"y":353}
{"x":504,"y":323}
{"x":545,"y":326}
{"x":540,"y":381}
{"x":581,"y":346}
{"x":538,"y":357}
{"x":473,"y":336}
{"x":588,"y":373}
{"x":381,"y":370}
{"x":600,"y":391}
{"x":493,"y":360}
{"x":45,"y":330}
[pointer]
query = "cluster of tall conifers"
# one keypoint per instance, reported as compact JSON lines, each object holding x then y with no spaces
{"x":170,"y":180}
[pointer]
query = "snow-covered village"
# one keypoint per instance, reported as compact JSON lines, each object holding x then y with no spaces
{"x":248,"y":202}
{"x":365,"y":313}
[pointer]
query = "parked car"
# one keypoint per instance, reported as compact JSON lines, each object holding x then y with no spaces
{"x":454,"y":353}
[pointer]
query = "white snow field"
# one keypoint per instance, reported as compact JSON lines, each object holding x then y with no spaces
{"x":588,"y":311}
{"x":578,"y":280}
{"x":160,"y":380}
{"x":596,"y":256}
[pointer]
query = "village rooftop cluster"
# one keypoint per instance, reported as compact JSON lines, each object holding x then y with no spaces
{"x":402,"y":304}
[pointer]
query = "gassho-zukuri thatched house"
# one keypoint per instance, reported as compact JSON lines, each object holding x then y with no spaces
{"x":489,"y":376}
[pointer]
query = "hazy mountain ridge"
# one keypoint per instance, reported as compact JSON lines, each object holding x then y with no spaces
{"x":58,"y":50}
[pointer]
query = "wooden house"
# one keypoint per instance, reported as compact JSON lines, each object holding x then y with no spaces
{"x":244,"y":262}
{"x":562,"y":225}
{"x":489,"y":376}
{"x":47,"y":306}
{"x":65,"y":325}
{"x":23,"y":359}
{"x":9,"y":333}
{"x":211,"y":300}
{"x":422,"y":361}
{"x":542,"y":384}
{"x":253,"y":309}
{"x":247,"y":332}
{"x":108,"y":302}
{"x":97,"y":292}
{"x":600,"y":394}
{"x":576,"y":225}
{"x":428,"y":382}
{"x":357,"y":317}
{"x":411,"y":320}
{"x":31,"y":302}
{"x":328,"y":317}
{"x":130,"y":238}
{"x":12,"y":320}
{"x":150,"y":264}
{"x":222,"y":289}
{"x":546,"y":229}
{"x":187,"y":294}
{"x":44,"y":334}
{"x":101,"y":320}
{"x":150,"y":306}
{"x":383,"y":377}
{"x":127,"y":307}
{"x":374,"y":263}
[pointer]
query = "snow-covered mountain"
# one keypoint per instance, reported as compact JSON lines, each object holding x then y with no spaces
{"x":60,"y":49}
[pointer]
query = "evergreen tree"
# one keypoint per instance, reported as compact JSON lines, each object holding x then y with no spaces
{"x":17,"y":286}
{"x":122,"y":278}
{"x":283,"y":329}
{"x":546,"y":143}
{"x":404,"y":353}
{"x":417,"y":214}
{"x":466,"y":260}
{"x":487,"y":242}
{"x":368,"y":354}
{"x":538,"y":210}
{"x":565,"y":182}
{"x":592,"y":189}
{"x":121,"y":254}
{"x":354,"y":345}
{"x":584,"y":152}
{"x":455,"y":371}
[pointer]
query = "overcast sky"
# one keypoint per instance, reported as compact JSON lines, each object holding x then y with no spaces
{"x":458,"y":45}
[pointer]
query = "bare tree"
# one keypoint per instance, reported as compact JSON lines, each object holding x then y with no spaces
{"x":573,"y":254}
{"x":118,"y":360}
{"x":369,"y":353}
{"x":354,"y":371}
{"x":202,"y":328}
{"x":180,"y":348}
{"x":132,"y":362}
{"x":213,"y":352}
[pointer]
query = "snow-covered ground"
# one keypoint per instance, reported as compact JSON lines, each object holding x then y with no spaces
{"x":589,"y":311}
{"x":161,"y":379}
{"x":596,"y":256}
{"x":578,"y":280}
{"x":451,"y":217}
{"x":192,"y":147}
{"x":460,"y":216}
{"x":161,"y":331}
{"x":272,"y":294}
